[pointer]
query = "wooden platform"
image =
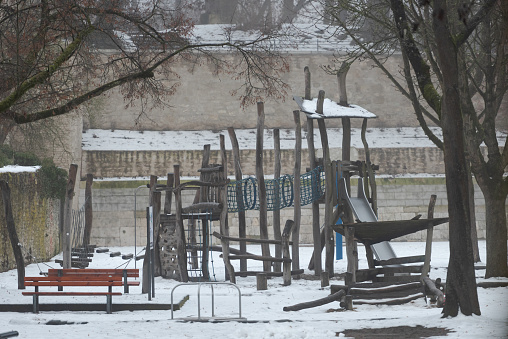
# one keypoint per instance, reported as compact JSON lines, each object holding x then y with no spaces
{"x":379,"y":231}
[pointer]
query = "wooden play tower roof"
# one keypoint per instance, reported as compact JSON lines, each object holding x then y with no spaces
{"x":331,"y":109}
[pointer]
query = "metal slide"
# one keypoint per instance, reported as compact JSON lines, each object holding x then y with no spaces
{"x":364,"y":213}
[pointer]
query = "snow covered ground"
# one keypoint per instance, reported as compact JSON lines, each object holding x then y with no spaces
{"x":262,"y":309}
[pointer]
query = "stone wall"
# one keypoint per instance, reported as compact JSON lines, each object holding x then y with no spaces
{"x":203,"y":99}
{"x":398,"y":199}
{"x":392,"y":161}
{"x":36,"y":219}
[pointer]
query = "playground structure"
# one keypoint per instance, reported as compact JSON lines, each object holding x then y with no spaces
{"x":183,"y":237}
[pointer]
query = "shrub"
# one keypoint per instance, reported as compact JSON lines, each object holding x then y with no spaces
{"x":53,"y":179}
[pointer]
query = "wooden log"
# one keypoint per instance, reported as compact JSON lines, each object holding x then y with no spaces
{"x":308,"y":84}
{"x":315,"y":263}
{"x":341,"y":79}
{"x":286,"y":267}
{"x":352,"y":259}
{"x":242,"y":228}
{"x":269,"y":274}
{"x":295,"y":249}
{"x":430,"y":233}
{"x":255,"y":241}
{"x":180,"y":232}
{"x":13,"y":235}
{"x":218,"y":249}
{"x":276,"y":212}
{"x":348,"y":303}
{"x":394,"y":301}
{"x":157,"y":204}
{"x":319,"y":302}
{"x":168,"y":199}
{"x":325,"y":279}
{"x":336,"y":288}
{"x":435,"y":291}
{"x":88,"y":210}
{"x":224,"y":228}
{"x":66,"y":236}
{"x":336,"y":214}
{"x":263,"y":205}
{"x":261,"y":281}
{"x":329,"y":245}
{"x":258,"y":257}
{"x":369,"y":254}
{"x":400,"y":260}
{"x":369,"y":274}
{"x":492,"y":284}
{"x":202,"y":206}
{"x":376,"y":288}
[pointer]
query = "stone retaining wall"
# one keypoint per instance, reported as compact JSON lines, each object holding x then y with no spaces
{"x":36,"y":219}
{"x":398,"y":199}
{"x":392,"y":161}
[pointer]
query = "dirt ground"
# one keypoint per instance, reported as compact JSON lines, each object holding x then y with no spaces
{"x":399,"y":332}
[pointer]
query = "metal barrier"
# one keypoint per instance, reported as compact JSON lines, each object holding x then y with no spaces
{"x":211,"y":284}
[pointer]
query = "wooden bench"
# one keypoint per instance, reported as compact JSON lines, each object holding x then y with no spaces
{"x":81,"y":277}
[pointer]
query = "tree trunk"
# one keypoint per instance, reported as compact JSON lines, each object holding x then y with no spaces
{"x":13,"y":236}
{"x":495,"y":212}
{"x":460,"y":282}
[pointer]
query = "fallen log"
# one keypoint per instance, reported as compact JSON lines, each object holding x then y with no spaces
{"x":323,"y":301}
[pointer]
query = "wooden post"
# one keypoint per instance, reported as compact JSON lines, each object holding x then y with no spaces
{"x":169,"y":193}
{"x":341,"y":77}
{"x":242,"y":228}
{"x":276,"y":211}
{"x":180,"y":232}
{"x":315,"y":263}
{"x":370,"y":171}
{"x":286,"y":274}
{"x":88,"y":210}
{"x":430,"y":233}
{"x":325,"y":279}
{"x":224,"y":228}
{"x":297,"y":192}
{"x":13,"y":235}
{"x":263,"y":222}
{"x":261,"y":281}
{"x":308,"y":84}
{"x":156,"y":230}
{"x":69,"y":195}
{"x":352,"y":259}
{"x":329,"y":245}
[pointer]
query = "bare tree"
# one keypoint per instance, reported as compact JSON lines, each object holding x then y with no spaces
{"x":57,"y":55}
{"x":454,"y":56}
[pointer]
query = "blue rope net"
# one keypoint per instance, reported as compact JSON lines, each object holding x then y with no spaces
{"x":243,"y":194}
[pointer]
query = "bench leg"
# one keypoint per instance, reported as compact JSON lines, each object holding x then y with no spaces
{"x":36,"y":303}
{"x":108,"y":303}
{"x":125,"y":285}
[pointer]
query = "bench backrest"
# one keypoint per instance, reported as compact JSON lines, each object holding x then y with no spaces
{"x":82,"y":277}
{"x":131,"y":272}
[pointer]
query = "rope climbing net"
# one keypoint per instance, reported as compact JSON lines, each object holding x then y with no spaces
{"x":243,"y":194}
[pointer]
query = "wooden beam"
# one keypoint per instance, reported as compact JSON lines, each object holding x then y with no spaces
{"x":276,"y":211}
{"x":295,"y":250}
{"x":242,"y":228}
{"x":263,"y":205}
{"x":319,"y":302}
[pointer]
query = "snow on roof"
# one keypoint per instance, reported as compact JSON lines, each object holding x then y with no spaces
{"x":332,"y":109}
{"x":303,"y":37}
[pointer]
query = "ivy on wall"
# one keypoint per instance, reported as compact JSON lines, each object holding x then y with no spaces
{"x":35,"y":201}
